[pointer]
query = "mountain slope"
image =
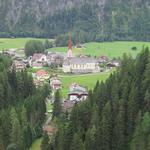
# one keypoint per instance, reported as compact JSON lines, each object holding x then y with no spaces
{"x":105,"y":19}
{"x":115,"y":117}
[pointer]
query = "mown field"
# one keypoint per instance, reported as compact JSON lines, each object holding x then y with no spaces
{"x":110,"y":49}
{"x":87,"y":81}
{"x":6,"y":43}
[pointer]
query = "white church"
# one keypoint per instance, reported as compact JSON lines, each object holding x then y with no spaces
{"x":79,"y":64}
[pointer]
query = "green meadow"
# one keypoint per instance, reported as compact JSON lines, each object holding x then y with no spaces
{"x":87,"y":81}
{"x":6,"y":43}
{"x":36,"y":145}
{"x":110,"y":49}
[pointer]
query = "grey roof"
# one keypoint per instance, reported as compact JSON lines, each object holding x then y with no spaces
{"x":80,"y":60}
{"x":78,"y":90}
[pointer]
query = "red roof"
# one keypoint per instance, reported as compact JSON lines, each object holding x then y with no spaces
{"x":49,"y":129}
{"x":70,"y":43}
{"x":41,"y":73}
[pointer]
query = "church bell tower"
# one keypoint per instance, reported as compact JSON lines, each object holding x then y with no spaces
{"x":69,"y":52}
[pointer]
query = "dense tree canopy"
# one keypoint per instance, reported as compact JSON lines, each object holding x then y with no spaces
{"x":34,"y":46}
{"x":22,"y":108}
{"x":96,"y":20}
{"x":117,"y":114}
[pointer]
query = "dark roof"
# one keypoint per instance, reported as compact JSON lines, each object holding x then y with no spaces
{"x":79,"y":60}
{"x":78,"y":90}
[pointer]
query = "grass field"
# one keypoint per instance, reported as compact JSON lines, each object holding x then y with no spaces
{"x":110,"y":49}
{"x":6,"y":43}
{"x":87,"y":81}
{"x":36,"y":145}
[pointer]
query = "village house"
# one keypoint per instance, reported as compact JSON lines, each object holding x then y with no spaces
{"x":55,"y":58}
{"x":36,"y":65}
{"x":113,"y":64}
{"x":37,"y":82}
{"x":39,"y":57}
{"x":68,"y":105}
{"x":79,"y":45}
{"x":49,"y":129}
{"x":37,"y":60}
{"x":77,"y":93}
{"x":55,"y":83}
{"x":79,"y":64}
{"x":41,"y":75}
{"x":116,"y":62}
{"x":18,"y":65}
{"x":10,"y":52}
{"x":103,"y":59}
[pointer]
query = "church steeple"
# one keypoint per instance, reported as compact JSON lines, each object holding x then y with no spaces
{"x":70,"y":43}
{"x":69,"y":53}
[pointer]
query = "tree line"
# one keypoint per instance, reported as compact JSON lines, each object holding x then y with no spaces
{"x":116,"y":115}
{"x":22,"y":108}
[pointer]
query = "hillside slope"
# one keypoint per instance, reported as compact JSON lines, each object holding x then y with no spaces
{"x":101,"y":19}
{"x":115,"y":117}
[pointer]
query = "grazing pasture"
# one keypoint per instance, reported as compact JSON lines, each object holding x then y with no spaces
{"x":14,"y":43}
{"x":110,"y":49}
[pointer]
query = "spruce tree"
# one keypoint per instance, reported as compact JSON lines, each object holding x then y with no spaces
{"x":77,"y":143}
{"x":16,"y":137}
{"x":57,"y":109}
{"x":147,"y":101}
{"x":45,"y":145}
{"x":90,"y":140}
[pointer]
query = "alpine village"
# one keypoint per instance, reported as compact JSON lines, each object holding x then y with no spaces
{"x":74,"y":75}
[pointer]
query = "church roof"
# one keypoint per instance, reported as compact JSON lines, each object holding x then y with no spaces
{"x":80,"y":60}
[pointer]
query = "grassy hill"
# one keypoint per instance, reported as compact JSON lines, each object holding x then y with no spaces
{"x":110,"y":49}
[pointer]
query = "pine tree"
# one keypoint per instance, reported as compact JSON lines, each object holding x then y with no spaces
{"x":90,"y":140}
{"x":133,"y":107}
{"x":120,"y":128}
{"x":77,"y":143}
{"x":24,"y":120}
{"x":147,"y":101}
{"x":142,"y":133}
{"x":2,"y":146}
{"x":106,"y":128}
{"x":57,"y":105}
{"x":16,"y":137}
{"x":45,"y":143}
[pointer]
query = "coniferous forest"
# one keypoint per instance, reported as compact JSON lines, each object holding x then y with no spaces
{"x":115,"y":117}
{"x":96,"y":20}
{"x":22,"y":108}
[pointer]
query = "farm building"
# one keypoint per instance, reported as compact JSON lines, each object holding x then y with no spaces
{"x":41,"y":75}
{"x":18,"y":65}
{"x":55,"y":83}
{"x":77,"y":93}
{"x":55,"y":58}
